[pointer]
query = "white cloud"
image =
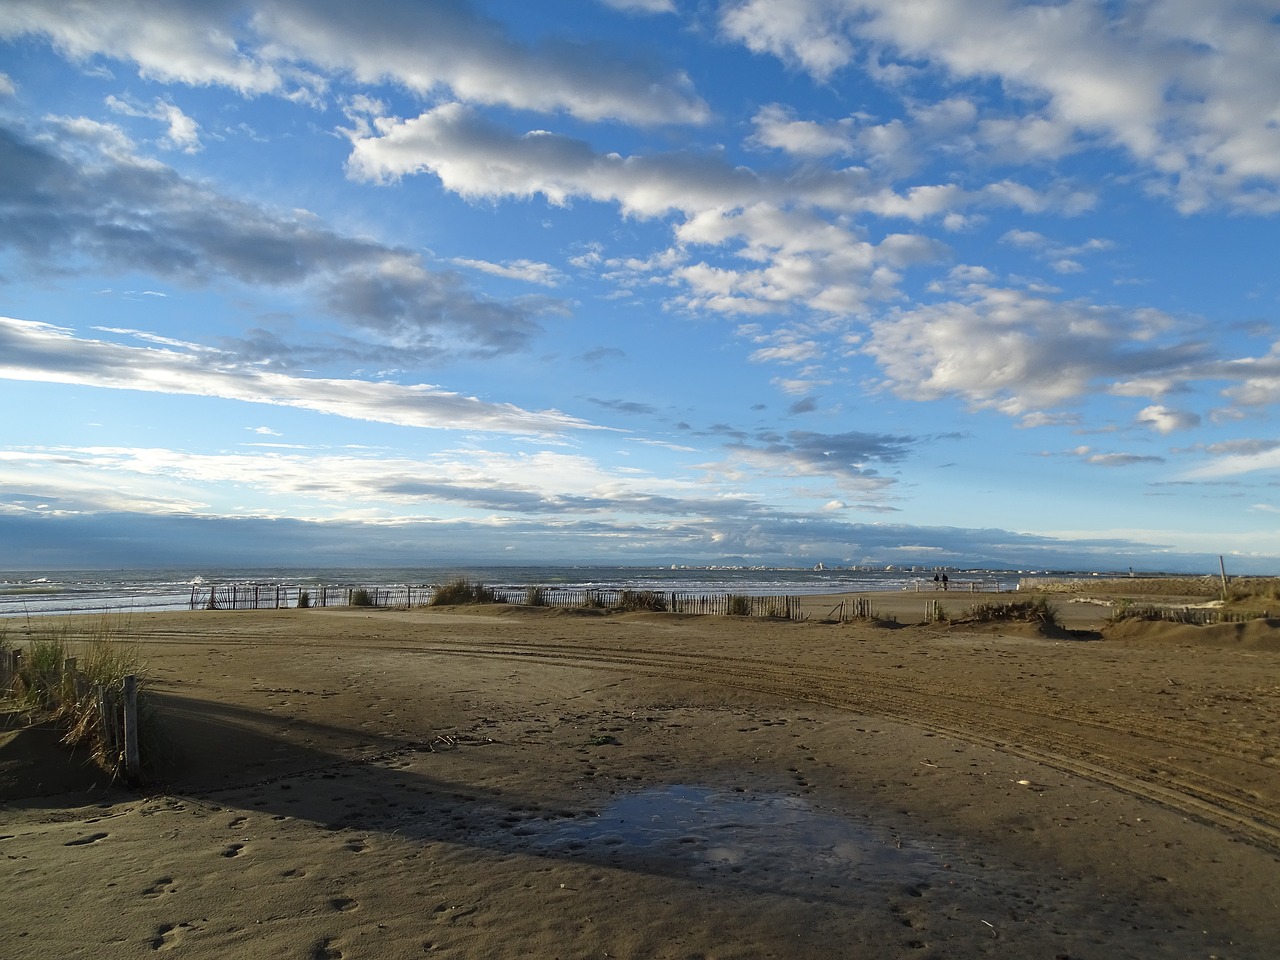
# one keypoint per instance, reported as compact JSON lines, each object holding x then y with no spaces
{"x":1162,"y":419}
{"x":276,"y":47}
{"x":91,"y":198}
{"x":1019,"y":353}
{"x":528,"y":270}
{"x":1259,"y":379}
{"x":478,"y":159}
{"x":793,"y":228}
{"x":183,"y":132}
{"x":1234,"y":465}
{"x":1191,"y":91}
{"x":777,"y":127}
{"x":642,"y":6}
{"x":187,"y":42}
{"x":39,"y":352}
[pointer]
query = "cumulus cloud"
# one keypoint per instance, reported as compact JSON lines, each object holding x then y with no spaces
{"x":479,"y":159}
{"x":1020,"y":352}
{"x":793,"y":227}
{"x":1162,"y":419}
{"x":777,"y":127}
{"x":280,"y":46}
{"x":1189,"y":91}
{"x":40,"y":352}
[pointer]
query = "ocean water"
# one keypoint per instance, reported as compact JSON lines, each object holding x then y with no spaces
{"x":37,"y":593}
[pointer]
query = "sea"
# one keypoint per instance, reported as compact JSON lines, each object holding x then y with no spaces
{"x":41,"y":593}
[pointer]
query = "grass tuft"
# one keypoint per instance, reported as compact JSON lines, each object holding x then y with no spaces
{"x":647,"y":600}
{"x":1039,"y":610}
{"x":462,"y":591}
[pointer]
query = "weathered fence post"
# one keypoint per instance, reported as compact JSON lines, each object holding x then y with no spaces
{"x":8,"y":670}
{"x":132,"y":759}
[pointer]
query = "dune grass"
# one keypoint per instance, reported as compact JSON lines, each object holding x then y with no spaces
{"x":462,"y":591}
{"x":1038,"y":610}
{"x":104,"y":655}
{"x":634,"y":600}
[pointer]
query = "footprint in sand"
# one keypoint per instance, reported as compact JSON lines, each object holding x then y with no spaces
{"x":356,"y":846}
{"x":344,"y":904}
{"x":325,"y":950}
{"x":233,"y":850}
{"x":81,"y":841}
{"x":236,"y":822}
{"x":164,"y":885}
{"x":169,"y":935}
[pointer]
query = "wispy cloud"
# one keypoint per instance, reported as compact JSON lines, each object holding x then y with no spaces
{"x":97,"y":200}
{"x":182,"y":133}
{"x":39,"y":352}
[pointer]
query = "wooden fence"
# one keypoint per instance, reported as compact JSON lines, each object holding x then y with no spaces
{"x":253,"y":596}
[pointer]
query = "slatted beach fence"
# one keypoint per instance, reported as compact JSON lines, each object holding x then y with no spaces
{"x":257,"y":596}
{"x":252,"y":596}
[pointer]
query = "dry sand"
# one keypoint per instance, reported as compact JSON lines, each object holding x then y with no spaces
{"x":508,"y":782}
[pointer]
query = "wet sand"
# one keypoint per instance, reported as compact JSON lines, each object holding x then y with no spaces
{"x":510,"y":782}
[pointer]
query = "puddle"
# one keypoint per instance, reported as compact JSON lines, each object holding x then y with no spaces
{"x":726,"y":832}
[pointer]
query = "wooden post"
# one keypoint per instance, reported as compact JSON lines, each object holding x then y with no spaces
{"x":132,"y":760}
{"x":1223,"y":569}
{"x":108,"y":721}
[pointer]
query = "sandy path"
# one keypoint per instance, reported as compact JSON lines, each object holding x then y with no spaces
{"x":510,"y":783}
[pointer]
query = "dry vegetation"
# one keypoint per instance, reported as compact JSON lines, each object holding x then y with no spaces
{"x":44,"y":690}
{"x":1176,"y":598}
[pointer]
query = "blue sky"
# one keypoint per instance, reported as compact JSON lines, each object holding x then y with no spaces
{"x":640,"y":281}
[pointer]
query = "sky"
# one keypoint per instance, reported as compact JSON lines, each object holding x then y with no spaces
{"x":777,"y":282}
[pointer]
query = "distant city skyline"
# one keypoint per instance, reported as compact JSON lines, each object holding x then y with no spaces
{"x":955,"y":282}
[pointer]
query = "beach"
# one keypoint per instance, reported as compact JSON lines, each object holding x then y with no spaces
{"x":503,"y":781}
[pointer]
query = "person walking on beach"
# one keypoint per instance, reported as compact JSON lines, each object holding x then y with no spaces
{"x":935,"y":581}
{"x":944,"y":581}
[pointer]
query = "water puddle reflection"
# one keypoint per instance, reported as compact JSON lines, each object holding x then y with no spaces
{"x":727,"y":832}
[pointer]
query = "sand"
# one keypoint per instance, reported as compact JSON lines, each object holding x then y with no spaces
{"x":510,"y":782}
